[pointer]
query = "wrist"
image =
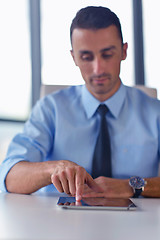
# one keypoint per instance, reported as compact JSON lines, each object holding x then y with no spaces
{"x":137,"y":184}
{"x":49,"y":167}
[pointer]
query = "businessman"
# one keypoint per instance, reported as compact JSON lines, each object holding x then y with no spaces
{"x":63,"y":146}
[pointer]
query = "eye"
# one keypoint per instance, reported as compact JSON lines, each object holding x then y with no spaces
{"x":87,"y":57}
{"x":107,"y":55}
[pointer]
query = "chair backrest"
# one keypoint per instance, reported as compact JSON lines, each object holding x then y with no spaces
{"x":47,"y":89}
{"x":152,"y":92}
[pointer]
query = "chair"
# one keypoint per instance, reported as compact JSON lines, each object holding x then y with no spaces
{"x":47,"y":89}
{"x":152,"y":92}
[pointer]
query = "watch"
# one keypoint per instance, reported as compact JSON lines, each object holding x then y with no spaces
{"x":138,"y":184}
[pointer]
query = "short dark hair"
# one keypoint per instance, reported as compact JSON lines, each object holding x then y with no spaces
{"x":95,"y":18}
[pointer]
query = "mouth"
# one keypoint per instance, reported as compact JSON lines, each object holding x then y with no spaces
{"x":100,"y":79}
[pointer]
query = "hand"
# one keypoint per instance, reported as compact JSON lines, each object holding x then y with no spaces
{"x":111,"y":188}
{"x":70,"y":178}
{"x":101,"y":201}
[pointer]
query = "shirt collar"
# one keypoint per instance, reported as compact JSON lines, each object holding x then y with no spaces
{"x":114,"y":103}
{"x":89,"y":101}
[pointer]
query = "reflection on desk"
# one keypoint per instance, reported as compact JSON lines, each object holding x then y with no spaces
{"x":28,"y":217}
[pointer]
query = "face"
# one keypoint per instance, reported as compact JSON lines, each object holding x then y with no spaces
{"x":98,"y":54}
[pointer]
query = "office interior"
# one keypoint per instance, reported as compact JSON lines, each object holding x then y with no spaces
{"x":35,"y":49}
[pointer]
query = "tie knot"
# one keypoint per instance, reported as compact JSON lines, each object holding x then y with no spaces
{"x":102,"y":110}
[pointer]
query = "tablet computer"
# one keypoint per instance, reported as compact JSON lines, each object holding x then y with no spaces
{"x":96,"y":203}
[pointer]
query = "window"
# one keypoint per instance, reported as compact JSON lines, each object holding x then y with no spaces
{"x":57,"y":64}
{"x":151,"y":19}
{"x":15,"y":73}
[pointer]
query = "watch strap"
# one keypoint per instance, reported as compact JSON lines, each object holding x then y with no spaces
{"x":137,"y":193}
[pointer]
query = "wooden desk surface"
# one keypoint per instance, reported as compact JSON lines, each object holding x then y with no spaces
{"x":28,"y":217}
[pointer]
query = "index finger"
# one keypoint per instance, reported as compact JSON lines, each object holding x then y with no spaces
{"x":79,"y":182}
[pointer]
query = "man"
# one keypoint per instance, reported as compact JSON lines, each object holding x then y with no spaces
{"x":57,"y":146}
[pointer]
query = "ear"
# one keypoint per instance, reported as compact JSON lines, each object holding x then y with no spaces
{"x":124,"y":51}
{"x":72,"y":54}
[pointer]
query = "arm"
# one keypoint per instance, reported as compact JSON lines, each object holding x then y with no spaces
{"x":119,"y":188}
{"x":152,"y":189}
{"x":28,"y":177}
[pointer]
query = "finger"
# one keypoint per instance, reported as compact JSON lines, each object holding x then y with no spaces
{"x":72,"y":204}
{"x":64,"y":182}
{"x":67,"y":203}
{"x":92,"y":184}
{"x":57,"y":183}
{"x":79,"y":181}
{"x":78,"y":203}
{"x":71,"y":181}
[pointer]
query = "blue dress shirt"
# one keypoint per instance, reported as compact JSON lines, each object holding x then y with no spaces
{"x":64,"y":125}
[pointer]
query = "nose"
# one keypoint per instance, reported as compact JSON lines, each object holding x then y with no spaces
{"x":98,"y":66}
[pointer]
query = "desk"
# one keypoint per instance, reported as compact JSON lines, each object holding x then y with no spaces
{"x":27,"y":217}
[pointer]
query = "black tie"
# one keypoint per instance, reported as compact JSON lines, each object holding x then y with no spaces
{"x":102,"y":154}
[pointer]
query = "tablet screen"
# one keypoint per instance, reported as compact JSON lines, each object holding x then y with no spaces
{"x":99,"y":203}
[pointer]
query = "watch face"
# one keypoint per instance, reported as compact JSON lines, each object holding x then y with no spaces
{"x":137,"y":182}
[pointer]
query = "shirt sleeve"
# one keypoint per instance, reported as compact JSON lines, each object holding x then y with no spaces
{"x":35,"y":142}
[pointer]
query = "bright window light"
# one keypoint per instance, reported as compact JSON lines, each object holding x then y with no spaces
{"x":151,"y":19}
{"x":15,"y":71}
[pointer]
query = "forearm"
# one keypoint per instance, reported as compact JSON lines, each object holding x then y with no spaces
{"x":28,"y":177}
{"x":152,"y":188}
{"x":66,"y":176}
{"x":120,"y":188}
